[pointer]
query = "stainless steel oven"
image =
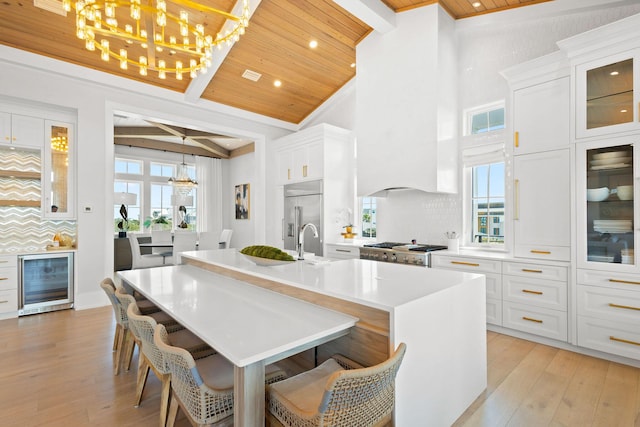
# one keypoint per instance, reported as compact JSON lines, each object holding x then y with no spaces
{"x":46,"y":282}
{"x":400,"y":253}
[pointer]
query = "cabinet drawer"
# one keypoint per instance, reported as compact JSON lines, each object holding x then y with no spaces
{"x":556,"y":253}
{"x":493,"y":285}
{"x":474,"y":265}
{"x":8,"y":278}
{"x":8,"y":261}
{"x":494,"y":311}
{"x":532,"y":291}
{"x":342,"y":252}
{"x":609,"y":279}
{"x":619,"y":338}
{"x":8,"y":300}
{"x":610,"y":304}
{"x":538,"y":271}
{"x":535,"y":320}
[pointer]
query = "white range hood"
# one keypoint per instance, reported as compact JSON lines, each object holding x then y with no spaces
{"x":406,"y":110}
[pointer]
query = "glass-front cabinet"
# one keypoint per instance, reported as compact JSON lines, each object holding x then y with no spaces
{"x":608,"y":95}
{"x":58,"y":178}
{"x":607,"y":213}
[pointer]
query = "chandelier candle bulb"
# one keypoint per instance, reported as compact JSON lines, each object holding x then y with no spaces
{"x":165,"y":24}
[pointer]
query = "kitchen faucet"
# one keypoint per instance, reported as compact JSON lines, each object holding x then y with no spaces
{"x":301,"y":238}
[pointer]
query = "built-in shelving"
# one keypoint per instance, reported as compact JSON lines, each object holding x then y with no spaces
{"x":19,"y":174}
{"x":21,"y":203}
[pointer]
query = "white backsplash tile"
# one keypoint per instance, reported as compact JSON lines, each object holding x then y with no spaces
{"x":411,"y":214}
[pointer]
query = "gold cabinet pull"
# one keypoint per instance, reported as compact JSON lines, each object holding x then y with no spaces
{"x":531,"y":319}
{"x":472,"y":264}
{"x":304,"y":171}
{"x":536,"y":251}
{"x":628,"y":307}
{"x":4,"y":301}
{"x":2,"y":261}
{"x":288,"y":173}
{"x":528,"y":270}
{"x":516,"y":139}
{"x":531,"y":292}
{"x":628,"y":282}
{"x":4,"y":278}
{"x":612,"y":338}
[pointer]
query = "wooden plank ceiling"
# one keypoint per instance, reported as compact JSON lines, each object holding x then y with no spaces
{"x":275,"y":45}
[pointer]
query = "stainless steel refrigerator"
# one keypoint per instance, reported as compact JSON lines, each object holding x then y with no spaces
{"x":303,"y":205}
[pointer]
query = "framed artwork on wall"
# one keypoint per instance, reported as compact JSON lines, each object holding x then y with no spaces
{"x":242,"y":201}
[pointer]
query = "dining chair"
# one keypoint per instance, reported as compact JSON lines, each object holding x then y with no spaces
{"x":161,"y":237}
{"x":225,"y":238}
{"x":203,"y":388}
{"x":338,"y":392}
{"x":208,"y":240}
{"x":182,"y":242}
{"x":150,"y":357}
{"x":142,"y":261}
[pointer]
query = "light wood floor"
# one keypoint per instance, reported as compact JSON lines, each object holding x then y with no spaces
{"x":55,"y":370}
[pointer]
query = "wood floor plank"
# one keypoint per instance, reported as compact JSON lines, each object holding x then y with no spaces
{"x":578,"y":404}
{"x":618,"y":397}
{"x":539,"y":406}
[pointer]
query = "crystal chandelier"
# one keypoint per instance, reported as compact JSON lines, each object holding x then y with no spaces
{"x":147,"y":33}
{"x":182,"y":183}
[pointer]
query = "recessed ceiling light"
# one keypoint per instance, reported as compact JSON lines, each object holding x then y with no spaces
{"x":476,"y":4}
{"x":623,"y":111}
{"x":614,"y":73}
{"x":353,"y":65}
{"x":277,"y":83}
{"x":313,"y":44}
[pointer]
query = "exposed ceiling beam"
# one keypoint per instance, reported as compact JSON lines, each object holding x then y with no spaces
{"x":207,"y":144}
{"x":374,"y":13}
{"x":199,"y":84}
{"x":165,"y":146}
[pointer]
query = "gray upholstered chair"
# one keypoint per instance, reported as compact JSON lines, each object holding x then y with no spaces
{"x":339,"y":392}
{"x":122,"y":325}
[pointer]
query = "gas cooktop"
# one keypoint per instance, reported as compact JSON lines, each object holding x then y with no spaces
{"x":419,"y":247}
{"x":401,"y":253}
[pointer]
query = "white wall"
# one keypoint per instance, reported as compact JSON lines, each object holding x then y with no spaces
{"x":242,"y":170}
{"x":96,"y":97}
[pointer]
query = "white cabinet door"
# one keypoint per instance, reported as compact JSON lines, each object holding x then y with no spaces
{"x":542,"y":205}
{"x":541,"y":116}
{"x":21,"y":130}
{"x":284,"y":160}
{"x":5,"y":128}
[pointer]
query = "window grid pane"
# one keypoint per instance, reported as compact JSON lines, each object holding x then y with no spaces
{"x":487,"y":204}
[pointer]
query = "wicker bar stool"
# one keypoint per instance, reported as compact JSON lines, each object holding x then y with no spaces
{"x":120,"y":338}
{"x":339,"y":392}
{"x":125,"y":299}
{"x":203,"y":388}
{"x":150,"y":357}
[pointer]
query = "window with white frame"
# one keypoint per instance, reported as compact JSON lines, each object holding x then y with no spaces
{"x":483,"y":119}
{"x":484,"y":195}
{"x":368,"y":215}
{"x":155,"y":206}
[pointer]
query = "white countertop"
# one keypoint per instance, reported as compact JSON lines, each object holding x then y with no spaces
{"x":244,"y":323}
{"x":375,"y":284}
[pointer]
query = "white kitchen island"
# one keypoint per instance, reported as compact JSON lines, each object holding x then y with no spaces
{"x":439,"y":314}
